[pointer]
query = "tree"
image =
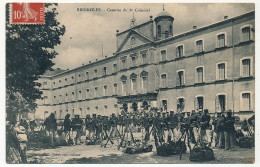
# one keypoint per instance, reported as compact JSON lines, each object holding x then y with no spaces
{"x":29,"y":53}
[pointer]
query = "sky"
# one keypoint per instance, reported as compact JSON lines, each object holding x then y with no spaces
{"x":86,"y":32}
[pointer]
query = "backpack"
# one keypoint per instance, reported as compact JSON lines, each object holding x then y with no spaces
{"x":199,"y":154}
{"x":246,"y":142}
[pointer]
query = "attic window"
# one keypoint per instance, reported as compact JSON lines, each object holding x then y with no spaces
{"x":132,"y":40}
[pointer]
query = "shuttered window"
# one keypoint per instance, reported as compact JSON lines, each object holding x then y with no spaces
{"x":163,"y":54}
{"x":180,"y":78}
{"x":246,"y":65}
{"x":246,"y":34}
{"x":180,"y":105}
{"x":199,"y":46}
{"x":221,"y":41}
{"x":163,"y":81}
{"x":246,"y":101}
{"x":199,"y":75}
{"x":179,"y":51}
{"x":221,"y":73}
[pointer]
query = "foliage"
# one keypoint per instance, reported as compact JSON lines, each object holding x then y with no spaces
{"x":29,"y":53}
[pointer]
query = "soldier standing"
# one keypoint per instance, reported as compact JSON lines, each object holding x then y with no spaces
{"x":67,"y":128}
{"x":158,"y":121}
{"x":93,"y":124}
{"x":164,"y":127}
{"x":77,"y":124}
{"x":88,"y":126}
{"x":229,"y":131}
{"x":193,"y":127}
{"x":219,"y":130}
{"x":204,"y":125}
{"x":173,"y":124}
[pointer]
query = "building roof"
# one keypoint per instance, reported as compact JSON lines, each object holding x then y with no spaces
{"x":164,"y":13}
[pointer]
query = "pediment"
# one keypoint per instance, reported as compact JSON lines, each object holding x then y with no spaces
{"x":132,"y":40}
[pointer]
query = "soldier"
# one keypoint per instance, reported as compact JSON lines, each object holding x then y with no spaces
{"x":158,"y":121}
{"x":219,"y":130}
{"x":88,"y":126}
{"x":172,"y":125}
{"x":93,"y":124}
{"x":146,"y":124}
{"x":99,"y":127}
{"x":164,"y":127}
{"x":229,"y":131}
{"x":67,"y":128}
{"x":77,"y":124}
{"x":204,"y":125}
{"x":193,"y":127}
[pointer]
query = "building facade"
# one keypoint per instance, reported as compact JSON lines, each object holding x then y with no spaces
{"x":208,"y":67}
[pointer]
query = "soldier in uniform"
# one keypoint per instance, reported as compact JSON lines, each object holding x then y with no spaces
{"x":88,"y":126}
{"x":164,"y":127}
{"x":204,"y":125}
{"x":219,"y":130}
{"x":99,"y":127}
{"x":157,"y":123}
{"x":93,"y":125}
{"x":229,"y":131}
{"x":172,"y":125}
{"x":193,"y":126}
{"x":67,"y":128}
{"x":77,"y":125}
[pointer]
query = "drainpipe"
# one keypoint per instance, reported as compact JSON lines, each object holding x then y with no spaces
{"x":233,"y":105}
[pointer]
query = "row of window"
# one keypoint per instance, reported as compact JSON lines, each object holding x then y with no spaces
{"x":199,"y":44}
{"x":221,"y":73}
{"x":220,"y":103}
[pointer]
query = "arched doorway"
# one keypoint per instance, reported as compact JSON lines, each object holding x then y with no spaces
{"x":134,"y":106}
{"x":125,"y":108}
{"x":145,"y":105}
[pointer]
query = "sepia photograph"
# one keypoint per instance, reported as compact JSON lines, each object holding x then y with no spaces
{"x":130,"y":83}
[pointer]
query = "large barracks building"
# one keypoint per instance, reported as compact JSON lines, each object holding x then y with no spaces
{"x":208,"y":67}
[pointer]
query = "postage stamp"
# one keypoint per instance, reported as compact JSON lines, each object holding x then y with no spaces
{"x":27,"y":13}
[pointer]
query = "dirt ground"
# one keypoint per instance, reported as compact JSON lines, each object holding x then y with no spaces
{"x":95,"y":154}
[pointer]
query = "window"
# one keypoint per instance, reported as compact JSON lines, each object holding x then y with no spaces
{"x":66,"y":79}
{"x":95,"y":73}
{"x":123,"y":86}
{"x":164,"y":105}
{"x":73,"y":97}
{"x":199,"y":75}
{"x":144,"y":80}
{"x":245,"y":69}
{"x":124,"y":62}
{"x":246,"y":34}
{"x":79,"y":75}
{"x":53,"y":83}
{"x":163,"y":81}
{"x":80,"y":95}
{"x":170,"y":30}
{"x":104,"y":71}
{"x":81,"y":112}
{"x":199,"y":46}
{"x":180,"y":78}
{"x":133,"y":78}
{"x":87,"y":93}
{"x":163,"y":55}
{"x":221,"y":103}
{"x":179,"y":51}
{"x":115,"y":88}
{"x":59,"y":81}
{"x":159,"y":31}
{"x":166,"y":34}
{"x":115,"y":67}
{"x":180,"y":104}
{"x":221,"y":71}
{"x":72,"y":77}
{"x":199,"y":103}
{"x":105,"y":90}
{"x":66,"y":97}
{"x":61,"y":114}
{"x":45,"y":99}
{"x":73,"y":113}
{"x":144,"y":57}
{"x":96,"y":92}
{"x":246,"y":102}
{"x":123,"y":83}
{"x":87,"y":75}
{"x":133,"y":57}
{"x":221,"y":41}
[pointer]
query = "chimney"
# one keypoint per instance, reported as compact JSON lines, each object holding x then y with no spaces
{"x":225,"y":17}
{"x":194,"y":27}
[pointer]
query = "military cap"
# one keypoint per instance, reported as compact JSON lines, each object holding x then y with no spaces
{"x":229,"y":111}
{"x":171,"y":112}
